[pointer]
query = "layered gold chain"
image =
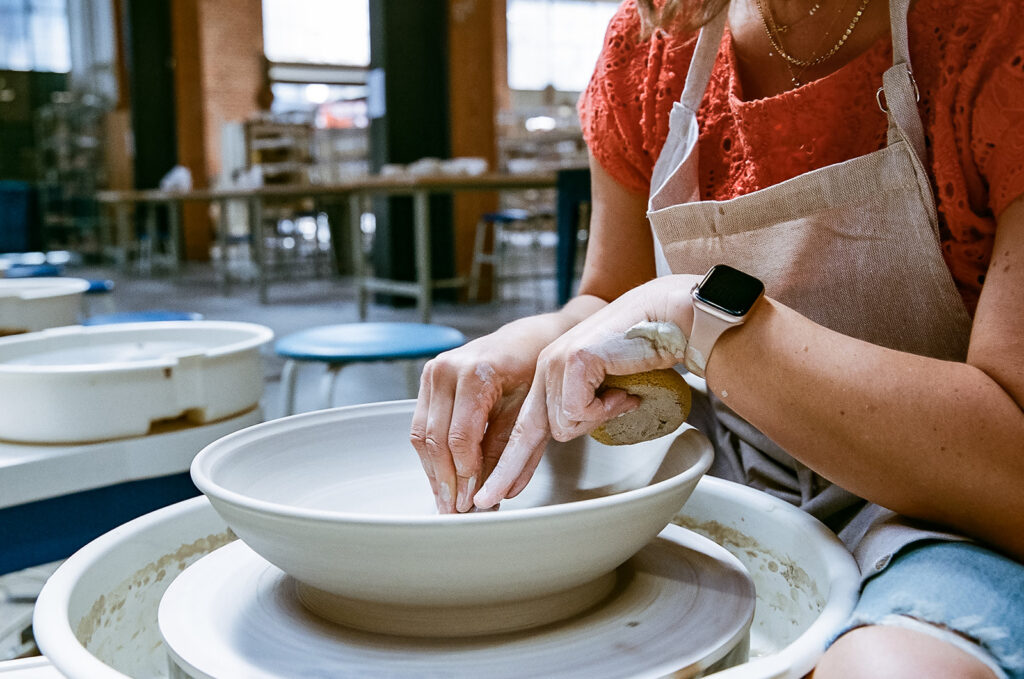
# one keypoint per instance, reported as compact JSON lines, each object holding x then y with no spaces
{"x":771,"y":30}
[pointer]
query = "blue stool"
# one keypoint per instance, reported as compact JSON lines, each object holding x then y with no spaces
{"x":142,"y":317}
{"x":18,"y":270}
{"x":339,"y":345}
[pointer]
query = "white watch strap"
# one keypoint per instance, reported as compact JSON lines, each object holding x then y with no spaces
{"x":706,"y":330}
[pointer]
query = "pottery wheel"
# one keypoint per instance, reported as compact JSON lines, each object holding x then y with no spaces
{"x":683,"y":602}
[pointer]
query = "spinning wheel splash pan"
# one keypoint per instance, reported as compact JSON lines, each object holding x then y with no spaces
{"x":81,"y":384}
{"x":338,"y":500}
{"x":30,"y":304}
{"x":96,"y":617}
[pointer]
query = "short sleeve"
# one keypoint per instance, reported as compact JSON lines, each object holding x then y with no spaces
{"x":610,"y":107}
{"x":997,"y":125}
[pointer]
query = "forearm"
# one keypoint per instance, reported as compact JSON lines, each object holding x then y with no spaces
{"x":936,"y":440}
{"x":533,"y":333}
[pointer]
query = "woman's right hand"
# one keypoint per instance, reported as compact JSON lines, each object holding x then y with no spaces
{"x":469,"y":399}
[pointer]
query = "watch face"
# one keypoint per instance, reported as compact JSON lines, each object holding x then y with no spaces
{"x":729,"y":289}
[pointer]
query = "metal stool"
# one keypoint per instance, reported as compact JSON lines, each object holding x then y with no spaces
{"x":339,"y":345}
{"x":495,"y":222}
{"x":512,"y":229}
{"x":142,"y":317}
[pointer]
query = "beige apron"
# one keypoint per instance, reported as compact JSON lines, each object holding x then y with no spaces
{"x":852,"y":246}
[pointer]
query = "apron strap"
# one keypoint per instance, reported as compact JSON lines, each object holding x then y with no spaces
{"x":703,"y":61}
{"x":899,"y":95}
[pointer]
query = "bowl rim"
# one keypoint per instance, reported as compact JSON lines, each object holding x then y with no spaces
{"x":47,"y":287}
{"x":209,"y":455}
{"x":252,"y":336}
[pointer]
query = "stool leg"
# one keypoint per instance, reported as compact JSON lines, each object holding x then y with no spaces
{"x":413,"y":369}
{"x":478,"y":258}
{"x":330,"y":379}
{"x":498,"y":261}
{"x":288,"y":379}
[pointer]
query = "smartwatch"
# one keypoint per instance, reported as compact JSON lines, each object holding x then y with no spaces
{"x":722,"y":300}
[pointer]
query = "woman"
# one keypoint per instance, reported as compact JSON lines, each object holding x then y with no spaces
{"x":885,"y":360}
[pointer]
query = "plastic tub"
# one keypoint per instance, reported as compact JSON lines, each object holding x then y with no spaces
{"x":80,"y":384}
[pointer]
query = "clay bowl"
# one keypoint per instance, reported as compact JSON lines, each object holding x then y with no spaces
{"x":338,"y":500}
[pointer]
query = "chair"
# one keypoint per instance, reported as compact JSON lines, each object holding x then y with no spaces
{"x":142,"y":317}
{"x":339,"y":345}
{"x":510,"y":229}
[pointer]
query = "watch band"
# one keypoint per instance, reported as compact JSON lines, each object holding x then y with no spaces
{"x":707,"y":328}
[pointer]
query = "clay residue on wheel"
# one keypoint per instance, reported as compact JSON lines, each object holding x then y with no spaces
{"x":125,"y":618}
{"x":785,"y":592}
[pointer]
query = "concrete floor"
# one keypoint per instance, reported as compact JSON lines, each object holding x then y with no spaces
{"x":293,"y":305}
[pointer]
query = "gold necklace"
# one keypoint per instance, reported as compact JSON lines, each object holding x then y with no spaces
{"x":782,"y":28}
{"x":813,"y":61}
{"x":796,"y":77}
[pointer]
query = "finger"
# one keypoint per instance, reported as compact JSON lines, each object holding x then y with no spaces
{"x":529,"y":432}
{"x":435,"y":439}
{"x":418,"y":428}
{"x":579,"y":407}
{"x":499,"y":429}
{"x":474,"y":398}
{"x":528,"y":471}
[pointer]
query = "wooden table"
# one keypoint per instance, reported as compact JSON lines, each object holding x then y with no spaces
{"x":356,"y":191}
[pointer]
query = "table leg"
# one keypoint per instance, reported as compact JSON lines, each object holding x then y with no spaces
{"x":222,"y":245}
{"x":122,"y":236}
{"x":355,"y":215}
{"x":256,"y":231}
{"x":174,"y":234}
{"x":421,"y":243}
{"x":146,"y":261}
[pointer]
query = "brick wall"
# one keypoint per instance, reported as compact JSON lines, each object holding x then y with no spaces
{"x":231,"y":43}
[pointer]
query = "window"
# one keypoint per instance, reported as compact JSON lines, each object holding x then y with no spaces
{"x":335,"y":32}
{"x":34,"y":36}
{"x":555,"y":42}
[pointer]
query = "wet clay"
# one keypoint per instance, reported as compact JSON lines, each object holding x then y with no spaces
{"x":108,"y":628}
{"x":783,"y":610}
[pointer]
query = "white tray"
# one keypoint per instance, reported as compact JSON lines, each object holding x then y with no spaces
{"x":80,"y":384}
{"x":28,"y":304}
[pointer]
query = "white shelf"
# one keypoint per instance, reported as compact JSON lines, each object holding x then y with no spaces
{"x":31,"y":472}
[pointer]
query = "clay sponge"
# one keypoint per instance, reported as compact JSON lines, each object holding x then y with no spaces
{"x":665,"y":404}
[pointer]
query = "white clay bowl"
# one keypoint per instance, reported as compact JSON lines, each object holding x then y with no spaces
{"x":338,"y":500}
{"x":29,"y":304}
{"x":80,"y":384}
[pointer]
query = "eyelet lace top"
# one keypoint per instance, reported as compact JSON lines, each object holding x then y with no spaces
{"x":968,"y":59}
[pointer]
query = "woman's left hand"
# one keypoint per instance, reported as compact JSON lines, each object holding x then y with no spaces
{"x":563,"y":401}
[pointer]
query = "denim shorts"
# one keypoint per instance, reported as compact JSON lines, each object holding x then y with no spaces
{"x":965,"y":594}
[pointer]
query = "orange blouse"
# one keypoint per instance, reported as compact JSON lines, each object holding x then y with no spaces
{"x":968,"y":58}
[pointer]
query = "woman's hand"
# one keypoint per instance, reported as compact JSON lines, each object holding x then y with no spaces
{"x":469,"y":399}
{"x":563,"y":401}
